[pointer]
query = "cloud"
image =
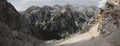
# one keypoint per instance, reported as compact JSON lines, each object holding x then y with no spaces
{"x":24,"y":1}
{"x":102,"y":3}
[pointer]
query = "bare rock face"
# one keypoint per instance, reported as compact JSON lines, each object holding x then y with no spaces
{"x":9,"y":15}
{"x":8,"y":22}
{"x":109,"y":28}
{"x":111,"y":20}
{"x":13,"y":28}
{"x":56,"y":23}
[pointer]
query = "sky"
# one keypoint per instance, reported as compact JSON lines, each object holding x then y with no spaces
{"x":21,"y":5}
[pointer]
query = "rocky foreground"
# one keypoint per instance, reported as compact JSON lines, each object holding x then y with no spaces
{"x":40,"y":24}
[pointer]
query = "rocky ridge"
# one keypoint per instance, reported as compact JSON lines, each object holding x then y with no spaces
{"x":14,"y":30}
{"x":60,"y":21}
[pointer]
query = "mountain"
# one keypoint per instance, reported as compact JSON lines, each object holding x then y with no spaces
{"x":59,"y":26}
{"x":9,"y":21}
{"x":14,"y":30}
{"x":60,"y":21}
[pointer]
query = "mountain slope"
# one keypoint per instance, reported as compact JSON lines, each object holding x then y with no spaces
{"x":14,"y":31}
{"x":109,"y":32}
{"x":59,"y":22}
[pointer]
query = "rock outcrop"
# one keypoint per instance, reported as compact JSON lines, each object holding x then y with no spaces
{"x":111,"y":25}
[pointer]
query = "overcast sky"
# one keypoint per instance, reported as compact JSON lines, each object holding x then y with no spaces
{"x":24,"y":4}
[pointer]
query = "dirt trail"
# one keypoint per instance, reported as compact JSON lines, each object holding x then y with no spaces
{"x":92,"y":33}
